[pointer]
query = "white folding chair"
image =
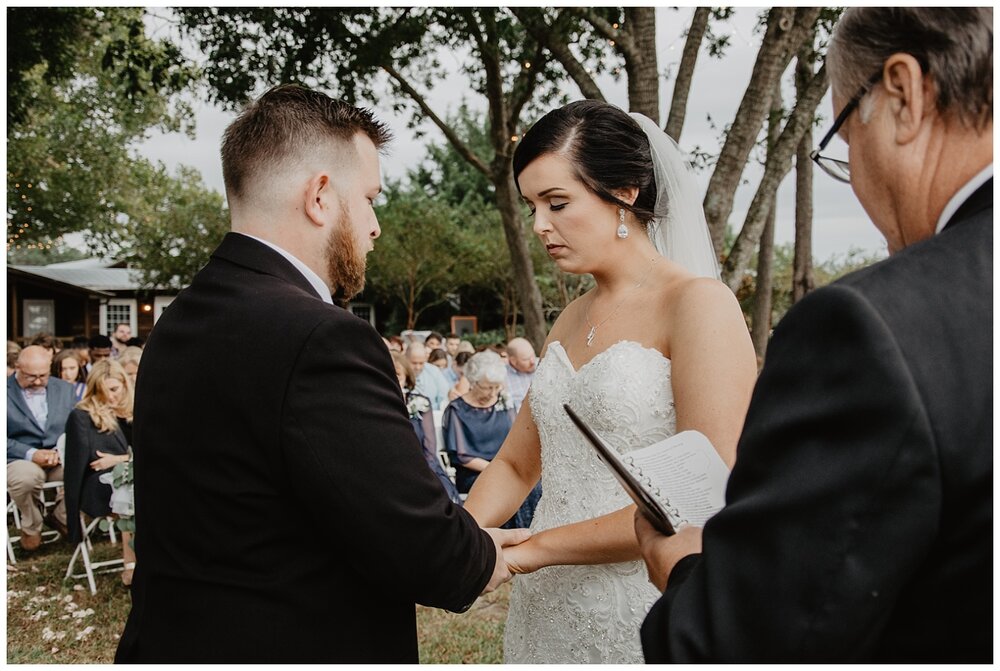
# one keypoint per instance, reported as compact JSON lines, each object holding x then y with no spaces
{"x":48,"y":535}
{"x":83,"y":550}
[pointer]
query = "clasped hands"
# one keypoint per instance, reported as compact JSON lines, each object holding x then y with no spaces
{"x":503,"y":570}
{"x":46,"y":458}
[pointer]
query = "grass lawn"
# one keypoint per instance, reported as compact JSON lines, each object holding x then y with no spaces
{"x":51,"y":621}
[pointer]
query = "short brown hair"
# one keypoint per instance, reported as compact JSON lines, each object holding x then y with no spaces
{"x":286,"y":121}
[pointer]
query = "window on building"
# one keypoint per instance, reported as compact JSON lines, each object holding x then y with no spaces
{"x":118,"y":311}
{"x":39,"y":317}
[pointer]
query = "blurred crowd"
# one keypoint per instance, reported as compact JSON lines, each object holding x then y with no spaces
{"x":462,"y":401}
{"x":69,"y":422}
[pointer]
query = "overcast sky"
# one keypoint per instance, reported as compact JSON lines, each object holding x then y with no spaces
{"x":839,"y":221}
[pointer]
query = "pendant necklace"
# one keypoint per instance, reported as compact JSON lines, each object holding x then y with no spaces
{"x":593,"y":327}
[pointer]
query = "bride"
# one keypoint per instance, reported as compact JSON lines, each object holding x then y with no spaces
{"x":658,"y":346}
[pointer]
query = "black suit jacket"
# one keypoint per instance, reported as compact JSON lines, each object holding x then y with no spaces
{"x":284,"y":512}
{"x":859,"y":516}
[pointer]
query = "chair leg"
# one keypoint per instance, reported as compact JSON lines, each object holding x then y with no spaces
{"x":83,"y":551}
{"x":88,"y":568}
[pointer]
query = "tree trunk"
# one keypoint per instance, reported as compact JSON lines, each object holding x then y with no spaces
{"x":803,"y":280}
{"x":761,"y":325}
{"x":528,"y":294}
{"x":642,"y":70}
{"x":779,"y":162}
{"x":685,"y":73}
{"x":787,"y":28}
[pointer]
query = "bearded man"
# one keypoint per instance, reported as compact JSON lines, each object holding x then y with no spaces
{"x":268,"y":421}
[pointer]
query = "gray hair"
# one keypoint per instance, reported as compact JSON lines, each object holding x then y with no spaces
{"x":486,"y":365}
{"x":954,"y":45}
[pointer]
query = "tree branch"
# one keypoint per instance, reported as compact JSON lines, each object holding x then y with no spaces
{"x":534,"y":22}
{"x":623,"y":41}
{"x":779,"y":162}
{"x":685,"y":73}
{"x":449,"y":133}
{"x":524,"y":87}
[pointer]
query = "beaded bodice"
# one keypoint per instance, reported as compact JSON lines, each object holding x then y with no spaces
{"x":590,"y":613}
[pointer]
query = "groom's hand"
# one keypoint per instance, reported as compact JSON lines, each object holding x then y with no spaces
{"x":503,"y":538}
{"x":661,"y":553}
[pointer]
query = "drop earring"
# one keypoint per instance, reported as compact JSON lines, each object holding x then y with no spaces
{"x":622,"y":231}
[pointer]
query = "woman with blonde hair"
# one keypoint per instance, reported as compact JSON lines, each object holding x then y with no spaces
{"x":98,"y":435}
{"x":129,"y":360}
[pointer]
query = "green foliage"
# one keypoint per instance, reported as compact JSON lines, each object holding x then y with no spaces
{"x":41,"y":255}
{"x":430,"y":249}
{"x":174,"y":228}
{"x":71,"y":162}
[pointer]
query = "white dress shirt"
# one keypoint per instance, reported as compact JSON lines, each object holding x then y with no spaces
{"x":313,"y":278}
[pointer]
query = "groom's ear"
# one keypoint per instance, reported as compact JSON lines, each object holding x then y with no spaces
{"x":627,"y":195}
{"x":319,"y":199}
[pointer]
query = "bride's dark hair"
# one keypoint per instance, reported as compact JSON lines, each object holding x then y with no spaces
{"x":606,"y":146}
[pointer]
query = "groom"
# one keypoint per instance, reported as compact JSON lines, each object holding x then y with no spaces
{"x":284,"y":510}
{"x":859,"y":516}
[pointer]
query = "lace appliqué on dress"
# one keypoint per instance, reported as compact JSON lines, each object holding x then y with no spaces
{"x":588,"y":614}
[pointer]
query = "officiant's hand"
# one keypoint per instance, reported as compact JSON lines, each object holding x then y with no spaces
{"x":503,"y":538}
{"x":661,"y":553}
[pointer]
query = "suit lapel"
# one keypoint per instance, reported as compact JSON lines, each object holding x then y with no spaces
{"x":15,"y":395}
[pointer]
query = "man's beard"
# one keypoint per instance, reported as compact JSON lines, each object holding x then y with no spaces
{"x":345,"y":264}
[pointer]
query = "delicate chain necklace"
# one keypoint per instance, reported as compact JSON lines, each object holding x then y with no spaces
{"x":593,"y":327}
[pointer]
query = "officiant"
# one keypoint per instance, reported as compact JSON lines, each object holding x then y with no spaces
{"x":859,"y":516}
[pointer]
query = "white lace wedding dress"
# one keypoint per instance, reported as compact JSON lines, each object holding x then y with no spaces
{"x":588,"y":614}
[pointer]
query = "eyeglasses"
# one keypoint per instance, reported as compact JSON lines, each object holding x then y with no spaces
{"x":841,"y":170}
{"x":29,"y":378}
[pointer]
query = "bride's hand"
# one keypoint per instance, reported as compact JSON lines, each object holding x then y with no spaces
{"x":521,"y":559}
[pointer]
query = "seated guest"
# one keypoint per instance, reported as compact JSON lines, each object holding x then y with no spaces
{"x":466,"y":346}
{"x":500,"y":349}
{"x":13,"y":349}
{"x":439,"y":358}
{"x":430,"y":380}
{"x":81,"y":347}
{"x":434,"y":340}
{"x":98,"y":434}
{"x":129,"y":359}
{"x":451,"y":343}
{"x":119,"y":339}
{"x":48,"y":341}
{"x":474,"y":427}
{"x":66,"y":366}
{"x":396,"y":343}
{"x":521,"y":363}
{"x":422,"y":418}
{"x":37,"y":408}
{"x":461,"y":384}
{"x":100,"y":348}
